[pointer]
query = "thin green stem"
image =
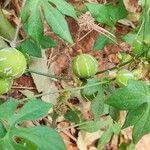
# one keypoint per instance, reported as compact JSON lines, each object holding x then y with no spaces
{"x":6,"y":40}
{"x":115,"y":67}
{"x":64,"y":90}
{"x":70,"y":78}
{"x":140,"y":29}
{"x":49,"y":75}
{"x":69,"y":127}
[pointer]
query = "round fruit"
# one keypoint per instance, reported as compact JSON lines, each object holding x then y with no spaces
{"x":137,"y":47}
{"x":5,"y":85}
{"x":89,"y":93}
{"x":123,"y":76}
{"x":12,"y":63}
{"x":84,"y":66}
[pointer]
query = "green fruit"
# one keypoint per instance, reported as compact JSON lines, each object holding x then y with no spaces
{"x":123,"y":76}
{"x":12,"y":63}
{"x":137,"y":47}
{"x":90,"y":93}
{"x":5,"y":85}
{"x":84,"y":66}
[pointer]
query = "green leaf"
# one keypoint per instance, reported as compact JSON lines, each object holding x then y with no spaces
{"x":47,"y":42}
{"x":135,"y":97}
{"x":131,"y":96}
{"x":32,"y":18}
{"x":89,"y":93}
{"x":116,"y":128}
{"x":105,"y":138}
{"x":28,"y":144}
{"x":25,"y":13}
{"x":134,"y":115}
{"x":100,"y":42}
{"x":31,"y":48}
{"x":72,"y":116}
{"x":7,"y":143}
{"x":2,"y":130}
{"x":7,"y":109}
{"x":114,"y":113}
{"x":57,"y":22}
{"x":35,"y":26}
{"x":129,"y":38}
{"x":117,"y":12}
{"x":97,"y":104}
{"x":44,"y":137}
{"x":32,"y":110}
{"x":100,"y":13}
{"x":65,"y":8}
{"x":107,"y":13}
{"x":142,"y":127}
{"x":113,"y":127}
{"x":93,"y":126}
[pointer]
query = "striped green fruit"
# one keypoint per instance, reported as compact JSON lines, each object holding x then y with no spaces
{"x":12,"y":63}
{"x":123,"y":76}
{"x":84,"y":66}
{"x":90,"y":93}
{"x":5,"y":85}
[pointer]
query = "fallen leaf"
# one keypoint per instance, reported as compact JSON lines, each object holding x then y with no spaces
{"x":43,"y":84}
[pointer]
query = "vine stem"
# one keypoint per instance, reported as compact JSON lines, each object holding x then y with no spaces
{"x":49,"y":75}
{"x":5,"y":39}
{"x":70,"y":78}
{"x":69,"y":127}
{"x":115,"y":67}
{"x":65,"y":90}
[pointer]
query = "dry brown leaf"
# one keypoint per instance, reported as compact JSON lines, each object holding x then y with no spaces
{"x":131,"y":5}
{"x":27,"y":93}
{"x":43,"y":84}
{"x":85,"y":139}
{"x":144,"y":143}
{"x":80,"y":142}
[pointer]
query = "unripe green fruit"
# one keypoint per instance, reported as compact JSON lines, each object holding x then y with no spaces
{"x":89,"y":93}
{"x":12,"y":63}
{"x":137,"y":47}
{"x":123,"y":76}
{"x":5,"y":85}
{"x":84,"y":66}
